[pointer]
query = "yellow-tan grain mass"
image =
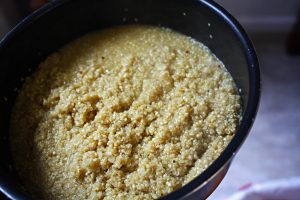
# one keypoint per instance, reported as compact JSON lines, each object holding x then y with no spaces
{"x":131,"y":112}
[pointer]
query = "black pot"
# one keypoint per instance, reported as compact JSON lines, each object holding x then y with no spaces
{"x":61,"y":21}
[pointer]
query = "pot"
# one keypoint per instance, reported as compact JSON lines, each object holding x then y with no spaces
{"x":61,"y":21}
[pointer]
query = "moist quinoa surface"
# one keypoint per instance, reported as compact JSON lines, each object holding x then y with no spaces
{"x":128,"y":112}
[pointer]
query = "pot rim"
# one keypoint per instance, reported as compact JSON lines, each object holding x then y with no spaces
{"x":247,"y":119}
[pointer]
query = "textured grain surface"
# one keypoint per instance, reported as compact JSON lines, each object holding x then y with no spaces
{"x":129,"y":112}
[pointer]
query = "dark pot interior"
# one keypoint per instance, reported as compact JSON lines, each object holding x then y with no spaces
{"x":61,"y":21}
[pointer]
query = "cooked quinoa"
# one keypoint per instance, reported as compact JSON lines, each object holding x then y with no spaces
{"x":131,"y":112}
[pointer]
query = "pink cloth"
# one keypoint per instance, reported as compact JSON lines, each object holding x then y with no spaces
{"x":286,"y":189}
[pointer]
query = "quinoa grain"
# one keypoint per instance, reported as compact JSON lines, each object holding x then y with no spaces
{"x":128,"y":112}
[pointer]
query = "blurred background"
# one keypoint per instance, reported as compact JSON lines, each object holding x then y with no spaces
{"x":272,"y":149}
